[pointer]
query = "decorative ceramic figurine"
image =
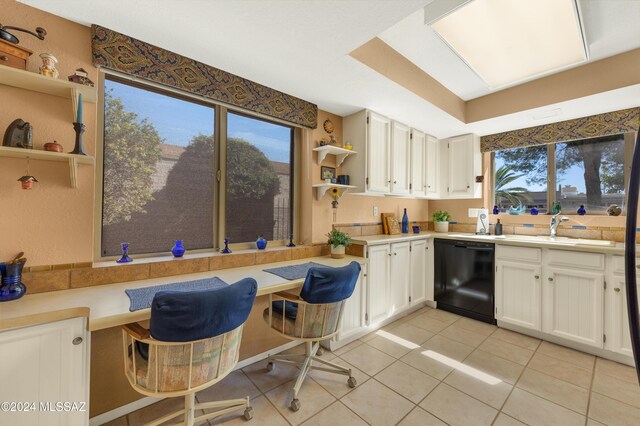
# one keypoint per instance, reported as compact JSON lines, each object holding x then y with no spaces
{"x":261,"y":243}
{"x":614,"y":210}
{"x":53,"y":146}
{"x":582,"y":211}
{"x":347,"y":145}
{"x":178,"y":250}
{"x":48,"y":67}
{"x":81,"y":77}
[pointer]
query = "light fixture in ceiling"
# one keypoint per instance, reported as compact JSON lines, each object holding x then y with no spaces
{"x":506,"y":41}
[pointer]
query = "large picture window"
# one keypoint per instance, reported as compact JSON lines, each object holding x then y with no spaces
{"x":589,"y":172}
{"x":160,"y":168}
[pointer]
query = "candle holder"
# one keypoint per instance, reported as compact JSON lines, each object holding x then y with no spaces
{"x":78,"y":149}
{"x":291,"y":241}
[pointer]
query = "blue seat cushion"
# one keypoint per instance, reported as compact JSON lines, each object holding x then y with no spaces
{"x":194,"y":315}
{"x":291,"y":308}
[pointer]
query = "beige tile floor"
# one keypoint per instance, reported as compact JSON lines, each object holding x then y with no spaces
{"x":435,"y":368}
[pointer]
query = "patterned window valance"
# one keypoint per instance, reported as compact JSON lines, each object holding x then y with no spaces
{"x":610,"y":123}
{"x":125,"y":54}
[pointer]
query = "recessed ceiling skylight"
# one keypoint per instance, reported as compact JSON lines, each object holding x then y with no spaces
{"x":508,"y":41}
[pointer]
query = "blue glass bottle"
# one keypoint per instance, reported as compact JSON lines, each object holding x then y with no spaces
{"x":534,"y":211}
{"x":405,"y":222}
{"x":125,"y":254}
{"x":226,"y":248}
{"x":178,"y":250}
{"x":582,"y":211}
{"x":261,"y":243}
{"x":496,"y":210}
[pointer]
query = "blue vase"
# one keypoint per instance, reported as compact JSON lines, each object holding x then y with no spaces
{"x":582,"y":211}
{"x":11,"y":287}
{"x":534,"y":211}
{"x":261,"y":243}
{"x":178,"y":250}
{"x":496,"y":210}
{"x":226,"y":248}
{"x":405,"y":222}
{"x":125,"y":254}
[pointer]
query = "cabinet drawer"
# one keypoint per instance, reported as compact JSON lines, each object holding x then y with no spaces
{"x":618,"y":264}
{"x":526,"y":254}
{"x":12,"y":61}
{"x":576,"y":259}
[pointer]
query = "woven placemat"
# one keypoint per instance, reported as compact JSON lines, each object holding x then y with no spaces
{"x":141,"y":298}
{"x":293,"y":272}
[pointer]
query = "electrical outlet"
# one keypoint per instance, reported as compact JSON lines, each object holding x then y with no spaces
{"x":474,"y":212}
{"x":375,"y":211}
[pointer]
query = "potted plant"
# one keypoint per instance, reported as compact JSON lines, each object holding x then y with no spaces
{"x":338,"y":241}
{"x":441,"y":220}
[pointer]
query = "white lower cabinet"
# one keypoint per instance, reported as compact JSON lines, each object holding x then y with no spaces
{"x":517,"y":294}
{"x":616,"y":315}
{"x":44,"y":365}
{"x":573,"y":305}
{"x":353,"y":315}
{"x":418,"y":272}
{"x":400,"y":276}
{"x":378,"y":275}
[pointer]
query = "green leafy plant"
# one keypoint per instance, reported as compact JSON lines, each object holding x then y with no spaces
{"x":441,"y":216}
{"x":338,"y":238}
{"x":515,"y":194}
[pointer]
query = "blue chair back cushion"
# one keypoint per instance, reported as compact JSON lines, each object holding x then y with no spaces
{"x":194,"y":315}
{"x":323,"y":284}
{"x":330,"y":285}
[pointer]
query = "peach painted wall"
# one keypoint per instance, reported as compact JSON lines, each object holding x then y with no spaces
{"x":352,"y":208}
{"x":53,"y":223}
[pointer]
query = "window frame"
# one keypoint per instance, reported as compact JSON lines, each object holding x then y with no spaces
{"x":629,"y":141}
{"x":220,"y":147}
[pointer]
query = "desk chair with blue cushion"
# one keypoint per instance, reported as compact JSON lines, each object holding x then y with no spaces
{"x":193,"y":342}
{"x":312,"y":317}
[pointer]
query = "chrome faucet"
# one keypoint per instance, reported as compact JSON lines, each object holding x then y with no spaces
{"x":555,"y":221}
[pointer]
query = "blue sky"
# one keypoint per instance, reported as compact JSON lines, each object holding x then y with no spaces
{"x":178,"y":121}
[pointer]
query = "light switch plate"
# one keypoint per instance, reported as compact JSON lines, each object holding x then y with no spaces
{"x":474,"y":212}
{"x":375,"y":211}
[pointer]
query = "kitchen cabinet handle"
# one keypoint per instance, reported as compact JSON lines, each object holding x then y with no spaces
{"x":395,"y":254}
{"x":617,"y":290}
{"x":4,"y":58}
{"x":77,"y":341}
{"x":550,"y":279}
{"x":395,"y":181}
{"x":468,"y":186}
{"x":389,"y":254}
{"x":537,"y":277}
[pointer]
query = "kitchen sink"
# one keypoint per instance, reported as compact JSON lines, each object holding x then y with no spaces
{"x":542,"y":239}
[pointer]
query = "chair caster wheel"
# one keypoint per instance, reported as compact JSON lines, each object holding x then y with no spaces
{"x":352,"y":382}
{"x":320,"y":351}
{"x":248,"y":413}
{"x":295,"y":405}
{"x":270,"y":366}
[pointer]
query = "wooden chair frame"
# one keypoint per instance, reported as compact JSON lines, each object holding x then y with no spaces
{"x":313,"y":350}
{"x":134,"y":332}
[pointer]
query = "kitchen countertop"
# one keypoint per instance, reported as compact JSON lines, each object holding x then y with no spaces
{"x":561,"y":243}
{"x":107,"y":306}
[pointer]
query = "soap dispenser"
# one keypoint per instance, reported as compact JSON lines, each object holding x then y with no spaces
{"x":498,"y":230}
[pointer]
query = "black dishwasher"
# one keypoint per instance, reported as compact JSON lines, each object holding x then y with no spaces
{"x":464,"y":278}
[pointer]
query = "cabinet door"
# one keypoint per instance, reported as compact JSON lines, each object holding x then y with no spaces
{"x":618,"y":337}
{"x":378,"y":283}
{"x":573,"y":305}
{"x":418,"y":183}
{"x":460,"y":166}
{"x":400,"y":161}
{"x":41,"y":364}
{"x":353,"y":315}
{"x":400,"y":277}
{"x":378,"y":149}
{"x":432,"y":167}
{"x":418,"y":271}
{"x":518,"y":294}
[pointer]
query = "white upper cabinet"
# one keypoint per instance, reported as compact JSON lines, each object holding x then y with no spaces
{"x":400,"y":161}
{"x":464,"y":163}
{"x":432,"y":167}
{"x":418,"y":158}
{"x":370,"y":135}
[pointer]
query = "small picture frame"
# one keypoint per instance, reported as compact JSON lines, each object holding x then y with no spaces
{"x":327,"y":173}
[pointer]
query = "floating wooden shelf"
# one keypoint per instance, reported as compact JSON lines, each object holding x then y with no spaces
{"x":340,"y":153}
{"x":321,"y":188}
{"x":33,"y":154}
{"x":51,"y":86}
